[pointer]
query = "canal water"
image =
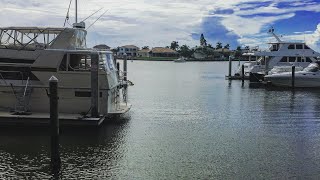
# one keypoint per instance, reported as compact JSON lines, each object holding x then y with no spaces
{"x":186,"y":122}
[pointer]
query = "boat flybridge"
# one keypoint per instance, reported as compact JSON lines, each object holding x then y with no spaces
{"x":29,"y":56}
{"x":280,"y":53}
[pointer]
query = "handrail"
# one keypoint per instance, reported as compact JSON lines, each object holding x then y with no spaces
{"x":25,"y":89}
{"x":3,"y":79}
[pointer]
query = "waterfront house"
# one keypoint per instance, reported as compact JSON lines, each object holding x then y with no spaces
{"x":130,"y":50}
{"x":143,"y":53}
{"x":163,"y":52}
{"x":101,"y":46}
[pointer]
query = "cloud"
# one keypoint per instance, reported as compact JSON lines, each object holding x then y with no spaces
{"x":157,"y":23}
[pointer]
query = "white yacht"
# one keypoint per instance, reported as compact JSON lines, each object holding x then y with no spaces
{"x":309,"y":77}
{"x":280,"y":53}
{"x":180,"y":59}
{"x":29,"y":56}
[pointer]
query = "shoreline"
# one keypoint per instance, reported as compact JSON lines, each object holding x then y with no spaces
{"x":167,"y":60}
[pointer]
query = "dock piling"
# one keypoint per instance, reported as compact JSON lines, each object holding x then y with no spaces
{"x":242,"y":72}
{"x":230,"y":66}
{"x":54,"y":122}
{"x":125,"y":67}
{"x":118,"y":68}
{"x":94,"y":85}
{"x":293,"y":76}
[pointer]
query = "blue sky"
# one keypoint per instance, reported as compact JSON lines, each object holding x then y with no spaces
{"x":157,"y":23}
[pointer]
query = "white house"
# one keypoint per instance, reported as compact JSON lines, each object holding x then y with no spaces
{"x":130,"y":50}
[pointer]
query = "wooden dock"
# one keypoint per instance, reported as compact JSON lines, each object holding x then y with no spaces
{"x":236,"y":77}
{"x":43,"y":119}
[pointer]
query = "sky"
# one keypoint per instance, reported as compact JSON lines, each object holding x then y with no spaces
{"x":158,"y":23}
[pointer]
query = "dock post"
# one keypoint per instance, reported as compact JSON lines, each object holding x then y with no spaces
{"x":293,"y":76}
{"x":267,"y":65}
{"x":230,"y":66}
{"x":242,"y":72}
{"x":118,"y":68}
{"x":125,"y":67}
{"x":54,"y":123}
{"x":94,"y":85}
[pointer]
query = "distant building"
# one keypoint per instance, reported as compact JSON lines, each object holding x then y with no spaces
{"x":101,"y":46}
{"x":130,"y":50}
{"x":163,"y":52}
{"x":144,"y":53}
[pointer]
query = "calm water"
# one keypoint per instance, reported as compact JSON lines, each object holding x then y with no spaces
{"x":187,"y":122}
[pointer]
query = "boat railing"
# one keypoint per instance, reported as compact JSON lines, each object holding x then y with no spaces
{"x":26,"y":87}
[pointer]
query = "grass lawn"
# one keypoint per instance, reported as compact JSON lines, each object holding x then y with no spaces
{"x":155,"y":58}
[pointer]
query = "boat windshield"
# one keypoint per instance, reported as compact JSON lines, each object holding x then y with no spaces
{"x":313,"y":67}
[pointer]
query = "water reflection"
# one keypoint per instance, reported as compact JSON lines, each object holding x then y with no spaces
{"x":85,"y":152}
{"x":187,"y":122}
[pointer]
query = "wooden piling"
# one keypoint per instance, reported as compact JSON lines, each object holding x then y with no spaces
{"x":54,"y":122}
{"x":242,"y":72}
{"x":94,"y":85}
{"x":293,"y":76}
{"x":125,"y":59}
{"x":266,"y":65}
{"x":230,"y":66}
{"x":118,"y":68}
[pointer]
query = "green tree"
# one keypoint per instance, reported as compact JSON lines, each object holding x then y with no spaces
{"x":115,"y":50}
{"x":238,"y":52}
{"x":227,"y":46}
{"x":174,"y":45}
{"x":145,"y":47}
{"x":219,"y":45}
{"x":185,"y":51}
{"x":210,"y":46}
{"x":203,"y":41}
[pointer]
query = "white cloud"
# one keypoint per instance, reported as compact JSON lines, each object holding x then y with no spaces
{"x":153,"y":23}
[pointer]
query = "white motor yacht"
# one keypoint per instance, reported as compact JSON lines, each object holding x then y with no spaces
{"x":29,"y":56}
{"x":180,"y":59}
{"x":282,"y":54}
{"x":308,"y":77}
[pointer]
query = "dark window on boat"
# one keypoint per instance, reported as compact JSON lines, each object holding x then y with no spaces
{"x":274,"y":47}
{"x":63,"y":65}
{"x":79,"y":62}
{"x":299,"y":46}
{"x":306,"y":47}
{"x":308,"y":59}
{"x":291,"y":46}
{"x":84,"y":94}
{"x":17,"y":73}
{"x":284,"y":59}
{"x":299,"y":59}
{"x":292,"y":59}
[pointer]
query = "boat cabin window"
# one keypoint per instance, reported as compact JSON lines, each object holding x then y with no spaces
{"x":299,"y":46}
{"x":306,"y":47}
{"x":292,"y":59}
{"x":299,"y":59}
{"x":291,"y":46}
{"x":75,"y":62}
{"x":284,"y":59}
{"x":274,"y":47}
{"x":308,"y":60}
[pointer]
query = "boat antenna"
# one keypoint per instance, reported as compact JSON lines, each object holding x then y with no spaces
{"x":67,"y":16}
{"x":76,"y":11}
{"x":97,"y":19}
{"x":92,"y":14}
{"x":271,"y":30}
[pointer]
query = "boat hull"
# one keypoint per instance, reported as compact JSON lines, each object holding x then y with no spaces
{"x":302,"y":80}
